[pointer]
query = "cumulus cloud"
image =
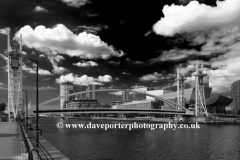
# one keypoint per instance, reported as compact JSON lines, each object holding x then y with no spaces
{"x":76,"y":3}
{"x":62,"y":40}
{"x":86,"y":64}
{"x":195,"y":17}
{"x":4,"y":30}
{"x":59,"y":70}
{"x":33,"y":70}
{"x":151,"y":77}
{"x":43,"y":72}
{"x":155,"y":76}
{"x":39,"y":9}
{"x":41,"y":55}
{"x":105,"y":78}
{"x":83,"y":80}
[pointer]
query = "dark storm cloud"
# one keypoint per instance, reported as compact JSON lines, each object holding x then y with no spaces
{"x":17,"y":15}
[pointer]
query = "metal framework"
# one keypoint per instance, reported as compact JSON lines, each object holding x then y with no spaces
{"x":180,"y":89}
{"x":15,"y":104}
{"x":201,"y":80}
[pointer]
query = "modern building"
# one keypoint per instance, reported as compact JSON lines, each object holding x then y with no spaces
{"x":65,"y":89}
{"x":235,"y":94}
{"x":91,"y":95}
{"x":82,"y":103}
{"x":215,"y":104}
{"x":140,"y":105}
{"x":125,"y":96}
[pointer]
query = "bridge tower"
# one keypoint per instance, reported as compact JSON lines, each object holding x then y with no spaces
{"x":15,"y":101}
{"x":200,"y":80}
{"x":180,"y":89}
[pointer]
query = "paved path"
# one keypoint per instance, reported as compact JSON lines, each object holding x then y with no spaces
{"x":10,"y":141}
{"x":48,"y":150}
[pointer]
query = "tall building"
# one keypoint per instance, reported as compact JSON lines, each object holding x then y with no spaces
{"x":235,"y":94}
{"x":125,"y":96}
{"x":65,"y":89}
{"x":90,"y":95}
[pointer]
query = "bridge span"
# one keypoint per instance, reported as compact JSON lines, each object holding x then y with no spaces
{"x":110,"y":110}
{"x":177,"y":109}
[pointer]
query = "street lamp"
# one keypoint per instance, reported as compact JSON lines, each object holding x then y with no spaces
{"x":37,"y":129}
{"x":26,"y":112}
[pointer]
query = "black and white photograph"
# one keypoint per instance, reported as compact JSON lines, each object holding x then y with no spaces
{"x":119,"y":80}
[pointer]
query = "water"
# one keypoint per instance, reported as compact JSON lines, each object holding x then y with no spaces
{"x":210,"y":142}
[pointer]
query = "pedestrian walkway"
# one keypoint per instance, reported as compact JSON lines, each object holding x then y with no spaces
{"x":11,"y":143}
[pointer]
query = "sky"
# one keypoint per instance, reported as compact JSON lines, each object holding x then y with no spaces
{"x":121,"y":43}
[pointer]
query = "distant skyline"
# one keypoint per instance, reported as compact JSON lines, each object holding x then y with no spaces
{"x":121,"y":44}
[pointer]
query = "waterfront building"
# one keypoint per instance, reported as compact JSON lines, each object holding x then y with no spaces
{"x":139,"y":105}
{"x":65,"y":89}
{"x":235,"y":94}
{"x":82,"y":103}
{"x":91,"y":95}
{"x":114,"y":103}
{"x":125,"y":96}
{"x":215,"y":104}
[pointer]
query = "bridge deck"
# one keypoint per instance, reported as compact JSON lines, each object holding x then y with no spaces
{"x":109,"y":110}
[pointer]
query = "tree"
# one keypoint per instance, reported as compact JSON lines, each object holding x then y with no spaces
{"x":2,"y":107}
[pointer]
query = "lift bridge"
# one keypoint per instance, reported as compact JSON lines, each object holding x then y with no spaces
{"x":14,"y":64}
{"x":110,"y":101}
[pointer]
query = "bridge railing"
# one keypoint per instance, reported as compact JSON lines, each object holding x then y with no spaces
{"x":109,"y":109}
{"x":34,"y":153}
